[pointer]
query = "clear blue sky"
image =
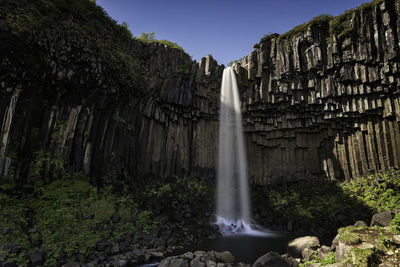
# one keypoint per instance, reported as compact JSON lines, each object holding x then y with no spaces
{"x":226,"y":29}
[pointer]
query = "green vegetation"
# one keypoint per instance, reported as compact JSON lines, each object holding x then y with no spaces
{"x":321,"y":21}
{"x":150,"y":38}
{"x":395,"y":224}
{"x":74,"y":46}
{"x":348,"y":236}
{"x":361,"y":257}
{"x":176,"y":191}
{"x":70,"y":215}
{"x":308,"y":204}
{"x":379,"y":192}
{"x":328,"y":205}
{"x":341,"y":25}
{"x":329,"y":259}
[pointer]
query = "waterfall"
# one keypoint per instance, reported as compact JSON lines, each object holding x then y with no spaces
{"x":233,"y":214}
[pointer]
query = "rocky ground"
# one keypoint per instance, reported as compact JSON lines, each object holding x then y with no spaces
{"x":357,"y":245}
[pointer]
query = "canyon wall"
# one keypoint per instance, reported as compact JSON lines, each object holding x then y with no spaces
{"x":318,"y":103}
{"x":315,"y":104}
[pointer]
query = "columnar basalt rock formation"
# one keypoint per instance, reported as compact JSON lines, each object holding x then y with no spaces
{"x":315,"y":104}
{"x":319,"y":105}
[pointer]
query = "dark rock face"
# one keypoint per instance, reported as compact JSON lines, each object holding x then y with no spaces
{"x":318,"y":107}
{"x":312,"y":107}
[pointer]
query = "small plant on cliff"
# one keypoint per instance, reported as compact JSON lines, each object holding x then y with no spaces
{"x":150,"y":38}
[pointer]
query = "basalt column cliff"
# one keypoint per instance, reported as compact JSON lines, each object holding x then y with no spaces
{"x":78,"y":93}
{"x":324,"y":98}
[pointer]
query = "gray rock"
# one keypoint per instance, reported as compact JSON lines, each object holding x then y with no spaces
{"x":115,"y":218}
{"x":71,"y":264}
{"x":396,"y":239}
{"x":36,"y":258}
{"x":360,"y":223}
{"x":115,"y":249}
{"x":7,"y":230}
{"x":381,"y":219}
{"x":225,"y":257}
{"x":273,"y":259}
{"x":296,"y":246}
{"x":211,"y":263}
{"x":9,"y":264}
{"x":323,"y":251}
{"x":13,"y":247}
{"x":308,"y":253}
{"x":102,"y":245}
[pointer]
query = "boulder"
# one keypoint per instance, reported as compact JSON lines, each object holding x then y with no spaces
{"x":396,"y":239}
{"x":323,"y":251}
{"x":225,"y":257}
{"x":36,"y":258}
{"x":381,"y":219}
{"x":360,"y":223}
{"x":296,"y":246}
{"x":7,"y":230}
{"x":273,"y":259}
{"x":308,"y":253}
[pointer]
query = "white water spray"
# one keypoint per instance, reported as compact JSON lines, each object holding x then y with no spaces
{"x":233,"y":201}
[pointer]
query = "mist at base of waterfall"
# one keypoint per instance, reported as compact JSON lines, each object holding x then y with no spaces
{"x":241,"y":227}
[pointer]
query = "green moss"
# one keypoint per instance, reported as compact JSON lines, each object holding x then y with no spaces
{"x":348,"y":236}
{"x":360,"y":257}
{"x":321,"y":21}
{"x":329,"y":259}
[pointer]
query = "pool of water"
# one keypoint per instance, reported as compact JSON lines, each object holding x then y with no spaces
{"x":245,"y":248}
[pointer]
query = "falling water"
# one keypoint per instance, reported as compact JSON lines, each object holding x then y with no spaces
{"x":233,"y":201}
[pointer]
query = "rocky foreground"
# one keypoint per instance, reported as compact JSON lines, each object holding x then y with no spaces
{"x":356,"y":245}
